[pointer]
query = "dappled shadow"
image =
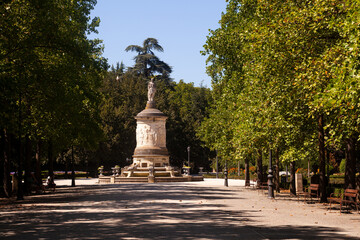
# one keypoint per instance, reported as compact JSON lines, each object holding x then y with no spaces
{"x":142,"y":211}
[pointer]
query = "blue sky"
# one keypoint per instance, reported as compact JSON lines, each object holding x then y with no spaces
{"x":180,"y":27}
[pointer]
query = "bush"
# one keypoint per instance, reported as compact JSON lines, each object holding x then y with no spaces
{"x":337,"y":179}
{"x":61,"y":174}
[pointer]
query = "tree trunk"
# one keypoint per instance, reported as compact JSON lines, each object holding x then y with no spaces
{"x":276,"y":174}
{"x":292,"y":178}
{"x":322,"y":177}
{"x":259,"y":168}
{"x":72,"y":167}
{"x":27,"y":162}
{"x":38,"y":163}
{"x":247,"y":173}
{"x":2,"y":150}
{"x":6,"y":170}
{"x":350,"y":167}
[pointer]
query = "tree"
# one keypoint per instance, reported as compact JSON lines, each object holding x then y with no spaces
{"x":146,"y":63}
{"x":186,"y":106}
{"x":277,"y":66}
{"x":51,"y":72}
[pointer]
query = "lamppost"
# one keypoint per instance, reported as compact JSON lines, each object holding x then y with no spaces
{"x":270,"y":177}
{"x":226,"y":175}
{"x":188,"y":150}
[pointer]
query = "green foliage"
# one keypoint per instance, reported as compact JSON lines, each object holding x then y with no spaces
{"x":276,"y":68}
{"x":186,"y":106}
{"x":51,"y":71}
{"x":146,"y":63}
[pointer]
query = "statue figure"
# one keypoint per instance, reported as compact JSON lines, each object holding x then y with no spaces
{"x":151,"y":90}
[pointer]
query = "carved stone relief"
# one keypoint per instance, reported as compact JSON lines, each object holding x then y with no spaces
{"x":151,"y":133}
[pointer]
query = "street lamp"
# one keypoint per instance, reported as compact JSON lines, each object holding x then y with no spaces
{"x":270,"y":177}
{"x":188,"y":150}
{"x":226,"y":175}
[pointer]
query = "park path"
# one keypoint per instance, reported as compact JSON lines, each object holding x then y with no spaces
{"x":195,"y":210}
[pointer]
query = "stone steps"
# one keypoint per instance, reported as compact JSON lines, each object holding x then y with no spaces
{"x":112,"y":179}
{"x":130,"y":179}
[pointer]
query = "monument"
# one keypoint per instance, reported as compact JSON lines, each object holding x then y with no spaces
{"x":151,"y":148}
{"x":151,"y":158}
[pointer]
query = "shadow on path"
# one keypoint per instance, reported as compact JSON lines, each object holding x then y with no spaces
{"x":141,"y":211}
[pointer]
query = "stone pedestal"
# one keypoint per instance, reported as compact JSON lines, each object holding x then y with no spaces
{"x":151,"y":139}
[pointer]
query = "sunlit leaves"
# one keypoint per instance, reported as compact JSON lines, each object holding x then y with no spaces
{"x":278,"y":65}
{"x":47,"y":60}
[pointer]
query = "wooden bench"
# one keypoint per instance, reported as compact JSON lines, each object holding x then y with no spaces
{"x":349,"y":197}
{"x":311,"y":191}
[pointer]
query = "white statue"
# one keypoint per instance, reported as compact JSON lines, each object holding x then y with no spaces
{"x":151,"y":90}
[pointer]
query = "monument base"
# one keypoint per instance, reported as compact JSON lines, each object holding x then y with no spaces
{"x":150,"y":161}
{"x":118,"y":179}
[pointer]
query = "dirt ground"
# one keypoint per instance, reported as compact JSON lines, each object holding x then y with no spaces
{"x":194,"y":210}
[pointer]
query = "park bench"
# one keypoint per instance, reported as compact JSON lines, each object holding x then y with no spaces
{"x":310,"y":192}
{"x":349,"y":197}
{"x":252,"y":183}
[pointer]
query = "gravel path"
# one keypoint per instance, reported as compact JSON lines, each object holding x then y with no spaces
{"x":194,"y":210}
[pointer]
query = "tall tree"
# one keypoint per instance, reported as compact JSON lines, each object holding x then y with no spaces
{"x":146,"y":63}
{"x":291,"y":60}
{"x":51,"y":71}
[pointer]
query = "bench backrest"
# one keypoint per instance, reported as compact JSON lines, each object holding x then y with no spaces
{"x":314,"y":187}
{"x":351,"y":193}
